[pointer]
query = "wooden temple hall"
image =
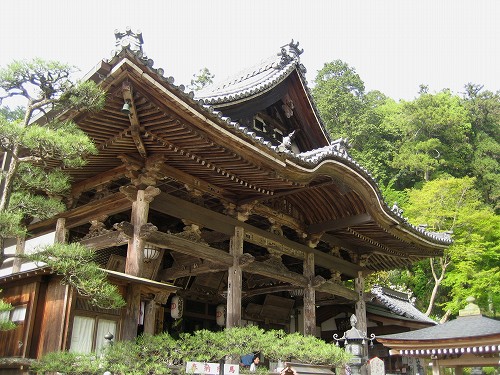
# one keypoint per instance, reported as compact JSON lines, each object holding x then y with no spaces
{"x":232,"y":200}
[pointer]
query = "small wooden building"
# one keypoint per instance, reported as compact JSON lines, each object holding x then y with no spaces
{"x":471,"y":340}
{"x":234,"y":196}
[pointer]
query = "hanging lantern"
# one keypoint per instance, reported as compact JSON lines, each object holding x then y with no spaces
{"x":151,"y":252}
{"x":176,"y":307}
{"x":220,"y":315}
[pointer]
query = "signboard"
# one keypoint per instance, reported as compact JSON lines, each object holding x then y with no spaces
{"x":211,"y":368}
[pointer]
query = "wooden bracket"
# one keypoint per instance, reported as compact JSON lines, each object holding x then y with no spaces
{"x":135,"y":126}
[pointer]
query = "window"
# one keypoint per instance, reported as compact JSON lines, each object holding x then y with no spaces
{"x":16,"y":315}
{"x":278,"y":135}
{"x":259,"y":125}
{"x":88,"y":333}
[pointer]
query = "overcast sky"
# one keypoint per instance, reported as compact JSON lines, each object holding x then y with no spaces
{"x":394,"y":45}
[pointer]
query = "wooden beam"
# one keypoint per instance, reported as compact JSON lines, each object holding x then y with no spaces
{"x":100,"y":179}
{"x":193,"y":270}
{"x":107,"y":240}
{"x":110,"y":205}
{"x":182,"y":245}
{"x":335,"y":289}
{"x":179,"y":208}
{"x":332,"y":225}
{"x":270,"y":270}
{"x":285,"y":193}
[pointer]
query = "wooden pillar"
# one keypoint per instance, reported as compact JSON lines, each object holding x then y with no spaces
{"x":360,"y":312}
{"x":133,"y":309}
{"x":141,"y":198}
{"x":435,"y":367}
{"x":150,"y":317}
{"x":21,"y":242}
{"x":459,"y":370}
{"x":309,"y":297}
{"x":359,"y":286}
{"x":235,"y":280}
{"x":60,"y":235}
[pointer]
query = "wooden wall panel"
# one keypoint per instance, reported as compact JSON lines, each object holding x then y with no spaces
{"x":53,"y":315}
{"x":15,"y":342}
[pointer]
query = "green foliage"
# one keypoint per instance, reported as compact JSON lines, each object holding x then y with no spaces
{"x":75,"y":263}
{"x":38,"y":147}
{"x":155,"y":354}
{"x":435,"y":130}
{"x":68,"y":363}
{"x":299,"y":348}
{"x":484,"y":113}
{"x":148,"y":355}
{"x":339,"y":95}
{"x":202,"y":79}
{"x":5,"y":323}
{"x":454,"y":204}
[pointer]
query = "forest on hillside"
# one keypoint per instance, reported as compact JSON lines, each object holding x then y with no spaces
{"x":437,"y":156}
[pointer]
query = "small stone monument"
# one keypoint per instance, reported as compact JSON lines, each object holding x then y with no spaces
{"x":375,"y":366}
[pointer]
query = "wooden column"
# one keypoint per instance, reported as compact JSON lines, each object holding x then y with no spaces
{"x":60,"y":235}
{"x":21,"y":242}
{"x":140,"y":209}
{"x":459,"y":370}
{"x":151,"y":312}
{"x":235,"y":280}
{"x":309,"y":297}
{"x":359,"y":286}
{"x":133,"y":309}
{"x":360,"y":312}
{"x":141,"y":198}
{"x":435,"y":367}
{"x":150,"y":318}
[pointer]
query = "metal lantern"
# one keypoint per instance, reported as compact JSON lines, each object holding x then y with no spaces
{"x":355,"y":341}
{"x":151,"y":252}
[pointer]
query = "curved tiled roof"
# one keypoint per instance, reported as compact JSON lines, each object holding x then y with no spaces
{"x":256,"y":79}
{"x":463,"y":327}
{"x":269,"y":72}
{"x":399,"y":304}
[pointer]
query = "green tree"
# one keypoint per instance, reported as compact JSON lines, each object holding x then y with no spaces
{"x":471,"y":265}
{"x":156,"y":354}
{"x":201,"y":79}
{"x":435,"y":131}
{"x":484,"y":112}
{"x":339,"y":93}
{"x":36,"y":148}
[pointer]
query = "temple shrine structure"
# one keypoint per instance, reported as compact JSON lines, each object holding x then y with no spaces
{"x":228,"y":206}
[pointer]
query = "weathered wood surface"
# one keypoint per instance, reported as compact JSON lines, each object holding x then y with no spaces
{"x":176,"y":207}
{"x":235,"y":280}
{"x":110,"y":205}
{"x":309,"y":297}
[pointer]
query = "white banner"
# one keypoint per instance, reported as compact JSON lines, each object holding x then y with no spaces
{"x":211,"y":368}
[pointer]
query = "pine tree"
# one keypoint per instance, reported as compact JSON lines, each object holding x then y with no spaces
{"x":35,"y":147}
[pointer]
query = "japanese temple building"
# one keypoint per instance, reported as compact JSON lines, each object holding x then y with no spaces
{"x":471,"y":340}
{"x":234,"y":196}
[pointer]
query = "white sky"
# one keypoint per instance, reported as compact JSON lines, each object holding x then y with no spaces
{"x":394,"y":45}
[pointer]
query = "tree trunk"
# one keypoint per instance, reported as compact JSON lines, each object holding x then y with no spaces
{"x":437,"y":282}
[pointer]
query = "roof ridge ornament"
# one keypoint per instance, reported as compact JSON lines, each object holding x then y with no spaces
{"x":290,"y":52}
{"x":128,"y":40}
{"x":286,"y":144}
